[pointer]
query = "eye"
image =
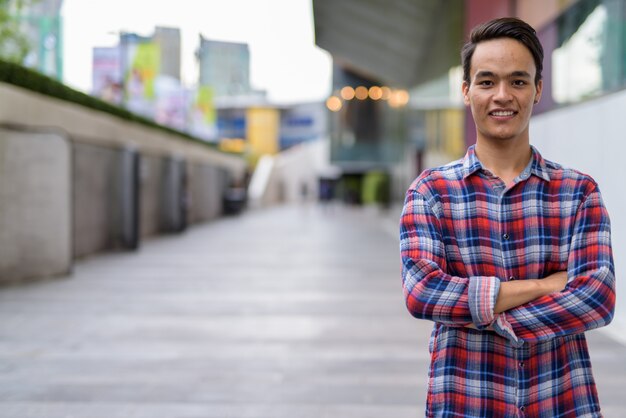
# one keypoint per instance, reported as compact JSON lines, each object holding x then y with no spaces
{"x":485,"y":83}
{"x":519,"y":83}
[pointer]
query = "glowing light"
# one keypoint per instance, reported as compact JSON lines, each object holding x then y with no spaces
{"x":375,"y":93}
{"x":402,"y":96}
{"x":361,"y":93}
{"x":386,"y":92}
{"x":333,"y":103}
{"x":347,"y":93}
{"x":399,"y":98}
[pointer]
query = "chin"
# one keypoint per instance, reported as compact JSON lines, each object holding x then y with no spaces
{"x":499,"y":137}
{"x":503,"y":136}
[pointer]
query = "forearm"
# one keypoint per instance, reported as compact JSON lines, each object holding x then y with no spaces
{"x":515,"y":293}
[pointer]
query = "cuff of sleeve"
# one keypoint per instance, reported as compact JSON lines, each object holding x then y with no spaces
{"x":482,"y":294}
{"x":504,"y":328}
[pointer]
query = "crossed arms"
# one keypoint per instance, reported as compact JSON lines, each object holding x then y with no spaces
{"x":563,"y":303}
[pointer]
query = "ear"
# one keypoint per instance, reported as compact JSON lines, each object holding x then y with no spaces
{"x":539,"y":88}
{"x":465,"y":90}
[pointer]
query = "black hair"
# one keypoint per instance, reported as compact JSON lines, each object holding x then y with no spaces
{"x":504,"y":27}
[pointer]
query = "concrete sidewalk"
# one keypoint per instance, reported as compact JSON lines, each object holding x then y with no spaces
{"x":289,"y":312}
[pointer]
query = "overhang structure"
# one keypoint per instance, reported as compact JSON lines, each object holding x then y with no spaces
{"x":402,"y":43}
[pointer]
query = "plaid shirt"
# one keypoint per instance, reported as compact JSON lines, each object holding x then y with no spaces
{"x":462,"y":233}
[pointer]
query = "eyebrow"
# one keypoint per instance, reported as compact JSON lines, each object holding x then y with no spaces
{"x":519,"y":73}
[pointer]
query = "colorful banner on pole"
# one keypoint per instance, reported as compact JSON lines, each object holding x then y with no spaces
{"x":144,"y":59}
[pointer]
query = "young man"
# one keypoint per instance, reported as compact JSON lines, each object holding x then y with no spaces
{"x":509,"y":254}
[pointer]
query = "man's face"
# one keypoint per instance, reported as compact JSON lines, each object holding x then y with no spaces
{"x":502,"y":89}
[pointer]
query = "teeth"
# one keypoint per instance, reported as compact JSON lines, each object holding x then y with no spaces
{"x":503,"y":113}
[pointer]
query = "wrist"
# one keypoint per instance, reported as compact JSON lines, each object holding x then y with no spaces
{"x":513,"y":294}
{"x":549,"y":286}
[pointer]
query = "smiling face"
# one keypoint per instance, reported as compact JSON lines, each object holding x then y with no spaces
{"x":502,"y":90}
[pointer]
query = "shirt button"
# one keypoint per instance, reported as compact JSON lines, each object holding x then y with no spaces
{"x":511,"y":278}
{"x":521,"y":364}
{"x":505,"y":236}
{"x":522,"y":408}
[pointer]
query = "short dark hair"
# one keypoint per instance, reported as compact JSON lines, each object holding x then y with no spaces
{"x":504,"y":27}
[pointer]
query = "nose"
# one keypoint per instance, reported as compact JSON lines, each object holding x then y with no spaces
{"x":503,"y":92}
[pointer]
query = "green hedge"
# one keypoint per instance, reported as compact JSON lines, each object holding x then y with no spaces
{"x":32,"y":80}
{"x":376,"y":188}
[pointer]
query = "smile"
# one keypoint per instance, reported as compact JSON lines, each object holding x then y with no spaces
{"x":502,"y":113}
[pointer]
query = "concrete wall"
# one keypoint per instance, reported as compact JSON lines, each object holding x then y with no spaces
{"x":75,"y":181}
{"x":151,"y":178}
{"x":26,"y":108}
{"x":205,"y":183}
{"x":590,"y":137}
{"x":35,"y":205}
{"x":97,"y":196}
{"x":93,"y":198}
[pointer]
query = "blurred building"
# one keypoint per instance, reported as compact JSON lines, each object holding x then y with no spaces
{"x":256,"y":128}
{"x":224,"y":66}
{"x":41,"y":23}
{"x":245,"y":121}
{"x":382,"y":54}
{"x":301,"y":123}
{"x":168,"y":40}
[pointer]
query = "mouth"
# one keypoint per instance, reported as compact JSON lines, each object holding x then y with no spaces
{"x":502,"y":113}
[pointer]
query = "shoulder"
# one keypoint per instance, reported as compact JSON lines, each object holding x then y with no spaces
{"x":438,"y":178}
{"x":570,"y":179}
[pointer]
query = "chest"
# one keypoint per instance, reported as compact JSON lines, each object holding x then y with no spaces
{"x":490,"y":230}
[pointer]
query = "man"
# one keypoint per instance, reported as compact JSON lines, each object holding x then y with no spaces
{"x":509,"y":254}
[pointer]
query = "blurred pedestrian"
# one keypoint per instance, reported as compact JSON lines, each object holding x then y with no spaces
{"x":508,"y":253}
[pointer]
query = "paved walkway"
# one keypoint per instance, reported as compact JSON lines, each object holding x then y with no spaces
{"x":290,"y":312}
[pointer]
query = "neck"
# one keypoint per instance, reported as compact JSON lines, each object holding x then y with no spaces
{"x":505,"y":160}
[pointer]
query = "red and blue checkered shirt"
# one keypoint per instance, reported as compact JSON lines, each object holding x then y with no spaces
{"x":462,"y":233}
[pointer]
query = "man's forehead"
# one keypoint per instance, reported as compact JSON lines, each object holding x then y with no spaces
{"x":514,"y":73}
{"x":502,"y":56}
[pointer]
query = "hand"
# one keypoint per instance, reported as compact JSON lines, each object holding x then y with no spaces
{"x":472,"y":326}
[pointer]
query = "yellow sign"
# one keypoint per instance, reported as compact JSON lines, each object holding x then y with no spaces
{"x":235,"y":145}
{"x":262,"y":130}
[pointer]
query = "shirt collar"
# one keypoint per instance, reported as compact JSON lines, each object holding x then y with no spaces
{"x":536,"y":166}
{"x":471,"y":164}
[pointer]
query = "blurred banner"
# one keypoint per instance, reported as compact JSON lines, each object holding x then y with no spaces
{"x":203,"y":115}
{"x":172,"y":103}
{"x":144,"y":59}
{"x":107,"y":74}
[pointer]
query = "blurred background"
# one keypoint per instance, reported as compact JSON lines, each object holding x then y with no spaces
{"x":125,"y":121}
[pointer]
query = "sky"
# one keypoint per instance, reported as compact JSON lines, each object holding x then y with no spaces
{"x":284,"y":60}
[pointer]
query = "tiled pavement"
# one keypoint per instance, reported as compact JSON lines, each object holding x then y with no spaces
{"x":287,"y":312}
